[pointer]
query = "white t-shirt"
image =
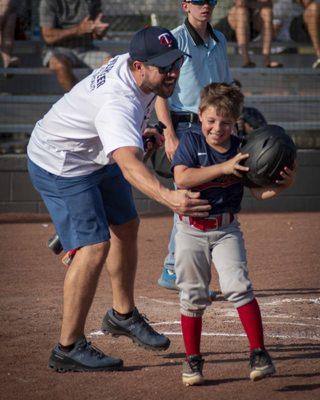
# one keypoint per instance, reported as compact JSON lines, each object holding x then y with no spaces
{"x":103,"y":112}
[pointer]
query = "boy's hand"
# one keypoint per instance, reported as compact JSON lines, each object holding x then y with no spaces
{"x":288,"y":177}
{"x":171,"y":144}
{"x":233,"y":166}
{"x":152,"y":140}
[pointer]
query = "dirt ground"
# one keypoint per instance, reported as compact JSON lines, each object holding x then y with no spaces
{"x":284,"y":254}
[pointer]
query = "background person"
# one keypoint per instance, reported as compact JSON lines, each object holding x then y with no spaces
{"x":298,"y":21}
{"x":68,"y":28}
{"x":250,"y":118}
{"x":208,"y":63}
{"x":83,"y":156}
{"x":245,"y":21}
{"x":8,"y":15}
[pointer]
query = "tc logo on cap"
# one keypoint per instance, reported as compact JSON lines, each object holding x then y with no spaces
{"x":166,"y":39}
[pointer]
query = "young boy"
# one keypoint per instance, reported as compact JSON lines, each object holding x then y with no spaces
{"x":208,"y":63}
{"x":209,"y":163}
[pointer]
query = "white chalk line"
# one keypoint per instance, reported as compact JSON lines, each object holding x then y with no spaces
{"x":168,"y":303}
{"x":231,"y":313}
{"x":299,"y":300}
{"x":217,"y":334}
{"x":262,"y":304}
{"x":224,"y":334}
{"x":280,"y":323}
{"x":317,"y":338}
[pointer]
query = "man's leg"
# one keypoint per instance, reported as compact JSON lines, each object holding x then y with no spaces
{"x":7,"y":26}
{"x":238,"y":19}
{"x":263,"y":22}
{"x":79,"y":289}
{"x":122,"y":264}
{"x":124,"y":319}
{"x":311,"y":18}
{"x":62,"y":66}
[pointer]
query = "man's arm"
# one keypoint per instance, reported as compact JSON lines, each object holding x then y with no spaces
{"x":183,"y":202}
{"x":163,"y":114}
{"x":55,"y":35}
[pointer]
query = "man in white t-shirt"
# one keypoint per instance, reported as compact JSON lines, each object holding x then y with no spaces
{"x":83,"y":156}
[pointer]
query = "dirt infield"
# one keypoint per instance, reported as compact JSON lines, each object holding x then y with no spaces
{"x":284,"y":260}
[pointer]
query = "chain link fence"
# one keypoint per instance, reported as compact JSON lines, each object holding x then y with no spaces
{"x":289,"y":96}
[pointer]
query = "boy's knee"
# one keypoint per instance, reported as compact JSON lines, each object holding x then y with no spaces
{"x":193,"y":303}
{"x":266,"y":14}
{"x":239,"y":299}
{"x":192,"y":312}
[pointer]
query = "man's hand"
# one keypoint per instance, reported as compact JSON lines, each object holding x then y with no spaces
{"x":137,"y":174}
{"x":85,"y":26}
{"x":100,"y":27}
{"x":185,"y":202}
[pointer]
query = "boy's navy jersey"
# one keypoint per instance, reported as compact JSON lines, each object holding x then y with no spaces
{"x":224,"y":193}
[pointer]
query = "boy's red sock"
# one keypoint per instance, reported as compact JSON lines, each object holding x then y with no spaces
{"x":191,"y":331}
{"x":251,"y":320}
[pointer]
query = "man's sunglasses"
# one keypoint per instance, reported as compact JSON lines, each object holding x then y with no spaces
{"x":176,"y":65}
{"x":211,"y":3}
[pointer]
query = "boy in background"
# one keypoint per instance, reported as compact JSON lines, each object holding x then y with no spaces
{"x":208,"y":63}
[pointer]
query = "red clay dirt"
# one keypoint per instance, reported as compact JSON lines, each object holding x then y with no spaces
{"x":284,"y":254}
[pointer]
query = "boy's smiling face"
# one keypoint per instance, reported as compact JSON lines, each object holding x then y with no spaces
{"x":216,"y":128}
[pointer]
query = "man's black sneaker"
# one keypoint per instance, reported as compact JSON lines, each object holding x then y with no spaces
{"x":83,"y":357}
{"x":136,"y":328}
{"x":261,"y":365}
{"x":192,"y":370}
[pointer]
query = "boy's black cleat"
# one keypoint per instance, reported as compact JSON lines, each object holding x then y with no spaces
{"x":136,"y":328}
{"x":261,"y":365}
{"x":84,"y":357}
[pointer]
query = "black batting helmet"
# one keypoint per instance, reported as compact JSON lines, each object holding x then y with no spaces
{"x":270,"y":150}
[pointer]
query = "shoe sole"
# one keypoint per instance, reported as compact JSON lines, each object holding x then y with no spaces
{"x":75,"y":367}
{"x":192,"y":380}
{"x":257,"y":374}
{"x":116,"y":334}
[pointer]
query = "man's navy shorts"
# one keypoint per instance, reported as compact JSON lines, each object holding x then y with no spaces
{"x":83,"y":207}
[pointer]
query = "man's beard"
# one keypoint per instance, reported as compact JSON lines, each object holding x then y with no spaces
{"x":160,"y":89}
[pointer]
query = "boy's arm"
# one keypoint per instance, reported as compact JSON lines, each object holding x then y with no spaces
{"x":186,"y":177}
{"x":163,"y":114}
{"x":288,"y":177}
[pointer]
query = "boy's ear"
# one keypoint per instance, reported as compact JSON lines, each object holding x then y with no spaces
{"x":184,"y":6}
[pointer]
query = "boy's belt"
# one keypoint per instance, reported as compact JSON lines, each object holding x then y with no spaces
{"x":210,"y":223}
{"x":185,"y":117}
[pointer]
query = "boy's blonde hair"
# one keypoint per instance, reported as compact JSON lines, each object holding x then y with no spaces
{"x":227,"y":99}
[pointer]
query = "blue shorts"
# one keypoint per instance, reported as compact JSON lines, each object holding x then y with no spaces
{"x":83,"y":207}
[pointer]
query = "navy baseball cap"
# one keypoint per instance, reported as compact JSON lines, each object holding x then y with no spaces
{"x":156,"y":46}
